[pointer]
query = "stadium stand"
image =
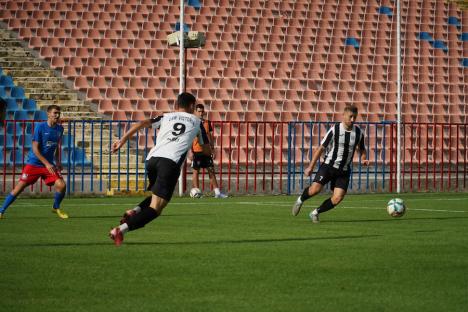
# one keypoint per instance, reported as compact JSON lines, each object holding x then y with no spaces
{"x":267,"y":45}
{"x":303,"y":59}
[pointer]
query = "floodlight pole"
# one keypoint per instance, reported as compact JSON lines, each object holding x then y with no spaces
{"x":181,"y":77}
{"x":398,"y":178}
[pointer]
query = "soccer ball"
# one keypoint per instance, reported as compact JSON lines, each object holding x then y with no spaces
{"x":195,"y":193}
{"x":396,"y":207}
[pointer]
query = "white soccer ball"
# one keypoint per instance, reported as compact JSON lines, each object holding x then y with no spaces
{"x":195,"y":193}
{"x":396,"y":207}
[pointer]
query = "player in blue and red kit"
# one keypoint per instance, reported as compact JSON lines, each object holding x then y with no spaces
{"x":40,"y":164}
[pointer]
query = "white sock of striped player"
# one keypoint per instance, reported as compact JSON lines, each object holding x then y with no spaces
{"x":217,"y":191}
{"x":123,"y":228}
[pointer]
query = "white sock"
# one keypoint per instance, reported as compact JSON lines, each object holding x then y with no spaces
{"x":299,"y":200}
{"x":123,"y":228}
{"x":315,"y":212}
{"x":217,"y":191}
{"x":137,"y":209}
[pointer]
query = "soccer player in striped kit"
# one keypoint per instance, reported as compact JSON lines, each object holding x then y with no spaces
{"x":339,"y":143}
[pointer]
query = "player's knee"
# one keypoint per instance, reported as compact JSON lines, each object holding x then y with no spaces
{"x":60,"y":186}
{"x":336,"y":199}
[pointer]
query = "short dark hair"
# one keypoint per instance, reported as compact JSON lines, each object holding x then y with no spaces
{"x":351,"y":108}
{"x":184,"y":100}
{"x":53,"y":106}
{"x":200,"y":106}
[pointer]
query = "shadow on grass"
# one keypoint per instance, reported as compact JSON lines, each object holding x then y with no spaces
{"x":215,"y":242}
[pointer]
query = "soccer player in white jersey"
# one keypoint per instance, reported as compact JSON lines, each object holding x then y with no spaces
{"x":344,"y":137}
{"x":176,"y":133}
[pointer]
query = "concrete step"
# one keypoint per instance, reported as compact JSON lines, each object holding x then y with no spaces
{"x":52,"y":85}
{"x":80,"y":115}
{"x":10,"y":65}
{"x":52,"y":96}
{"x":15,"y":52}
{"x":31,"y":73}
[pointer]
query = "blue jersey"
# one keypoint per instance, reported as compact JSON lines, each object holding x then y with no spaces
{"x":48,"y":139}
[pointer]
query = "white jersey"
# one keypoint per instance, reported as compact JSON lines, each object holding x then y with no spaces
{"x":176,"y":134}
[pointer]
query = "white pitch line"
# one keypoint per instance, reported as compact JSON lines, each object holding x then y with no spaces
{"x":204,"y":203}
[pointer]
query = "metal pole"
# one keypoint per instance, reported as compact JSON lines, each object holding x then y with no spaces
{"x":181,"y":76}
{"x":398,"y":178}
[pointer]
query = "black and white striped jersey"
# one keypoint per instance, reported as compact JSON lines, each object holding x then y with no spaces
{"x":340,"y":145}
{"x":176,"y":133}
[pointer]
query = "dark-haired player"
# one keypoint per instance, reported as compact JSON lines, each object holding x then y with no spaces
{"x":176,"y":133}
{"x":40,"y":163}
{"x":340,"y":142}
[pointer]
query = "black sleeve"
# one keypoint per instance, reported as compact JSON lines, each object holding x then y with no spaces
{"x":202,"y":136}
{"x":362,"y":146}
{"x":156,"y":121}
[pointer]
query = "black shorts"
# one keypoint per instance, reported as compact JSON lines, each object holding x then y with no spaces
{"x":337,"y":178}
{"x":201,"y":161}
{"x":163,"y":174}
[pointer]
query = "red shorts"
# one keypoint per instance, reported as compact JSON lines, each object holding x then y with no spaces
{"x":31,"y":173}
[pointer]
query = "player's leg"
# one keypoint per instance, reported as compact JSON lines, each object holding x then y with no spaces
{"x":321,"y":178}
{"x":339,"y":185}
{"x":144,"y":204}
{"x":214,"y":183}
{"x":165,"y":173}
{"x":195,"y":174}
{"x":60,"y":189}
{"x":18,"y":189}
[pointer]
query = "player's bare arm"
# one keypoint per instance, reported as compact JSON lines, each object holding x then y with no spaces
{"x":364,"y":160}
{"x":315,"y":157}
{"x":48,"y":165}
{"x":136,"y":127}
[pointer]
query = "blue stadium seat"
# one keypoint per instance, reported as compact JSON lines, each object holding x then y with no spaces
{"x":350,"y":41}
{"x":464,"y":62}
{"x":423,"y":35}
{"x":11,"y":104}
{"x":453,"y":20}
{"x":6,"y":141}
{"x":464,"y":37}
{"x":29,"y":105}
{"x":40,"y":115}
{"x":64,"y":154}
{"x":27,"y":139}
{"x":29,"y":128}
{"x":21,"y":115}
{"x":1,"y":71}
{"x":4,"y":156}
{"x":439,"y":44}
{"x":195,"y":3}
{"x":16,"y":157}
{"x":13,"y":127}
{"x":385,"y":10}
{"x":79,"y":157}
{"x":17,"y":92}
{"x":177,"y":27}
{"x":3,"y":92}
{"x":6,"y":81}
{"x":67,"y":141}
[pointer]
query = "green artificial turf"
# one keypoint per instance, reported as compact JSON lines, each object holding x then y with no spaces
{"x":240,"y":254}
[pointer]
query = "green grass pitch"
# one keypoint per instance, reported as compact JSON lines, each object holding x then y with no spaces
{"x":240,"y":254}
